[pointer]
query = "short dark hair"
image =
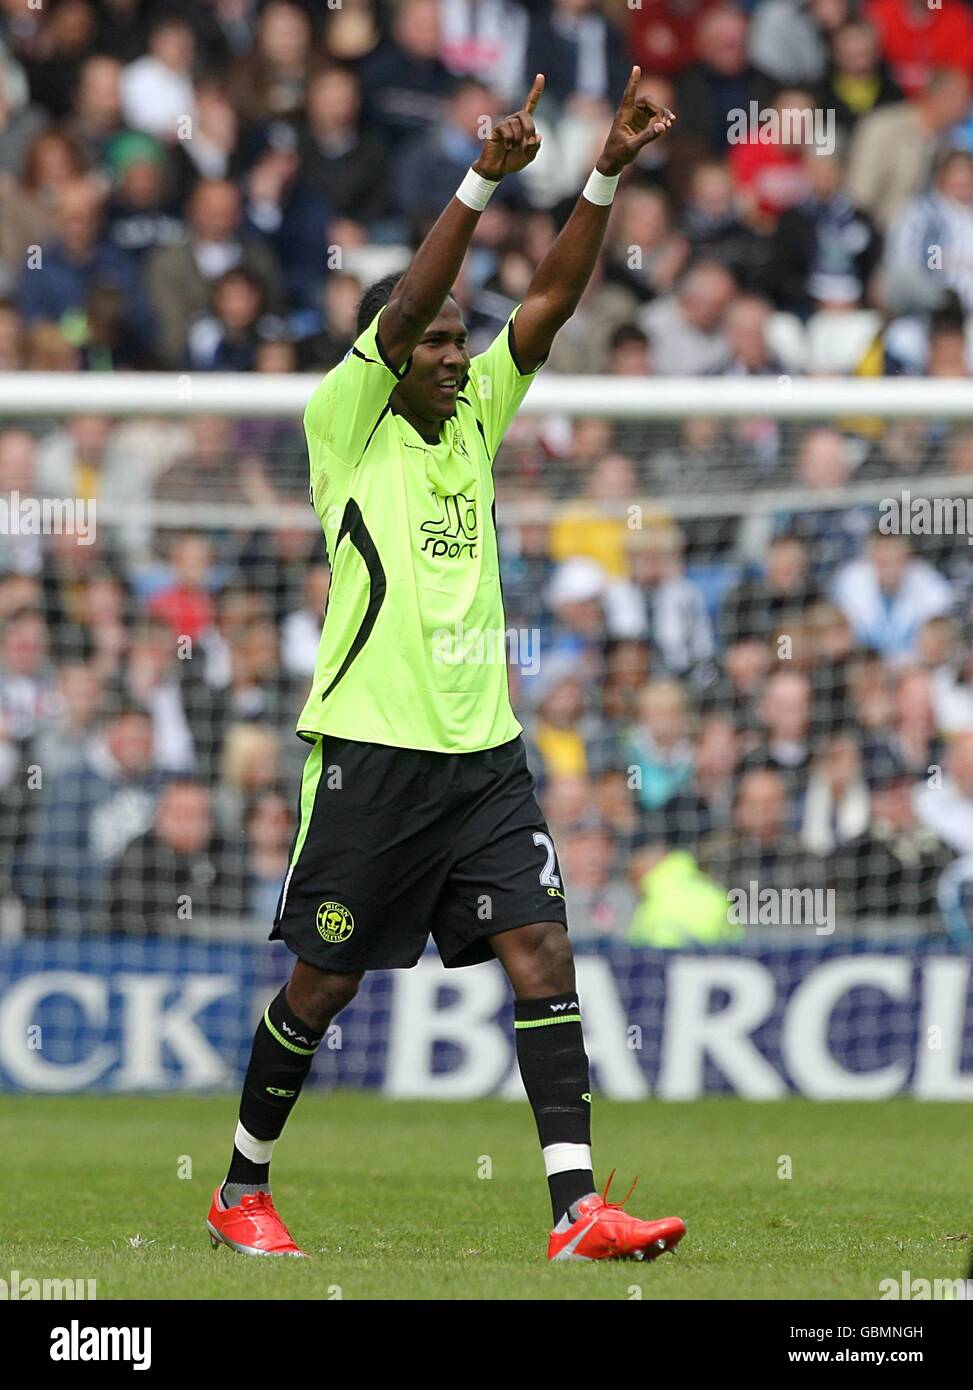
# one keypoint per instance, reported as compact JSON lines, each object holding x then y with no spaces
{"x":376,"y":297}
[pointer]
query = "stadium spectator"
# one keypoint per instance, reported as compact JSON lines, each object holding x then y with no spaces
{"x":96,"y":116}
{"x":176,"y":873}
{"x":28,"y":206}
{"x":404,"y":80}
{"x":662,"y":33}
{"x":758,"y":605}
{"x":157,"y":88}
{"x":151,"y":680}
{"x":142,"y":213}
{"x":721,"y":80}
{"x":301,"y":629}
{"x":643,"y":251}
{"x":714,"y":227}
{"x":203,"y":467}
{"x":784,"y":720}
{"x":269,"y":825}
{"x":916,"y":39}
{"x":595,"y":524}
{"x":760,"y":852}
{"x":686,"y":328}
{"x":888,"y":594}
{"x":58,"y":282}
{"x":858,"y":80}
{"x":768,"y":164}
{"x":660,"y":747}
{"x":269,"y":83}
{"x":659,"y":602}
{"x":21,"y":549}
{"x":945,"y":803}
{"x":893,"y":867}
{"x":486,"y":39}
{"x":894,"y":147}
{"x":88,"y":816}
{"x":579,"y":50}
{"x":179,"y":278}
{"x":824,"y":249}
{"x":343,"y":163}
{"x":559,"y":727}
{"x":228,"y":338}
{"x":185,"y":602}
{"x":20,"y":123}
{"x":835,"y":808}
{"x":604,"y":900}
{"x":935,"y":230}
{"x":704,"y":805}
{"x":678,"y":905}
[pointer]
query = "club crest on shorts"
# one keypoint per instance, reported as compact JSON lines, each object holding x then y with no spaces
{"x":335,"y":923}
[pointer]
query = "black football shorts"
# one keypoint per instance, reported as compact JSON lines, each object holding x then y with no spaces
{"x":394,"y":844}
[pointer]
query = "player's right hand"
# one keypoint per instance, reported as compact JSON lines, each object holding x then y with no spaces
{"x":513,"y":142}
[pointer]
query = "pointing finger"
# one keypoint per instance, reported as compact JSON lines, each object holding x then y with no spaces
{"x":535,"y":94}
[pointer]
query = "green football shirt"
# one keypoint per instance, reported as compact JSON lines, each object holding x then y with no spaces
{"x":412,"y":650}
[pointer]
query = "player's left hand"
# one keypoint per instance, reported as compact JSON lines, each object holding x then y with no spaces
{"x":638,"y":121}
{"x":513,"y":143}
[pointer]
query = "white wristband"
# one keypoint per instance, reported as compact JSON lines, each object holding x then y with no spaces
{"x":476,"y":191}
{"x":600,"y":188}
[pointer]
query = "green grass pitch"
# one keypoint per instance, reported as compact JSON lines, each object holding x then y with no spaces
{"x":389,"y":1198}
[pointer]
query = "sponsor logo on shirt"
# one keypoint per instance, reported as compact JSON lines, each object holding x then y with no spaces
{"x":453,"y":532}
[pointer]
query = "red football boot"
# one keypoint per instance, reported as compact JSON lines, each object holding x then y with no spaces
{"x":602,"y":1231}
{"x":252,"y":1228}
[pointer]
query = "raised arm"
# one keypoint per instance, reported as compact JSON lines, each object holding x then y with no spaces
{"x":418,"y":297}
{"x":560,"y":279}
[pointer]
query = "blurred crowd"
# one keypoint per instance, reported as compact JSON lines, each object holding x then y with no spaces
{"x":779,"y":694}
{"x":206,"y":185}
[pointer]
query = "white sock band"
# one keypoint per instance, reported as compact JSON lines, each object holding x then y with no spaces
{"x":257,"y":1150}
{"x":600,"y":188}
{"x":566,"y":1158}
{"x":476,"y":191}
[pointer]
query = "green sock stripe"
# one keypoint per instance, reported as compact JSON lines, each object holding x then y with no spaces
{"x":546,"y":1022}
{"x":291,"y":1047}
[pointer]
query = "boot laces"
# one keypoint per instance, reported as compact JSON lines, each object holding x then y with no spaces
{"x":617,"y":1206}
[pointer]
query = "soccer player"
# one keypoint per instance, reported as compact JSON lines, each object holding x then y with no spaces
{"x":417,"y":810}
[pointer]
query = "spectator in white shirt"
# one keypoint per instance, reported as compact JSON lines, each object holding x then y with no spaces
{"x":947,"y":809}
{"x":301,"y":630}
{"x":888,"y":594}
{"x":157,"y":89}
{"x":934,"y":232}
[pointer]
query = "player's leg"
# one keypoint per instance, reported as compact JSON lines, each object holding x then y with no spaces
{"x":287,"y":1037}
{"x":551,"y":1054}
{"x":554,"y":1065}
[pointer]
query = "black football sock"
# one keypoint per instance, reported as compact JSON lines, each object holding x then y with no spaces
{"x":554,"y":1067}
{"x":283,"y":1050}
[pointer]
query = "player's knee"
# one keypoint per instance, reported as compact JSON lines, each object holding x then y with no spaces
{"x":317,"y":996}
{"x":548,"y":966}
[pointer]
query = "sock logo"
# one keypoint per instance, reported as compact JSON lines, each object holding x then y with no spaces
{"x":557,"y":1008}
{"x":298,"y":1037}
{"x":586,"y":1095}
{"x":276,"y":1090}
{"x":335,"y":923}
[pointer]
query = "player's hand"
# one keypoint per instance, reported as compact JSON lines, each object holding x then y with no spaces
{"x":513,"y":143}
{"x":638,"y":122}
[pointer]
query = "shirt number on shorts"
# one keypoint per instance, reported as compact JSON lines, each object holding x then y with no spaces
{"x":548,"y":877}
